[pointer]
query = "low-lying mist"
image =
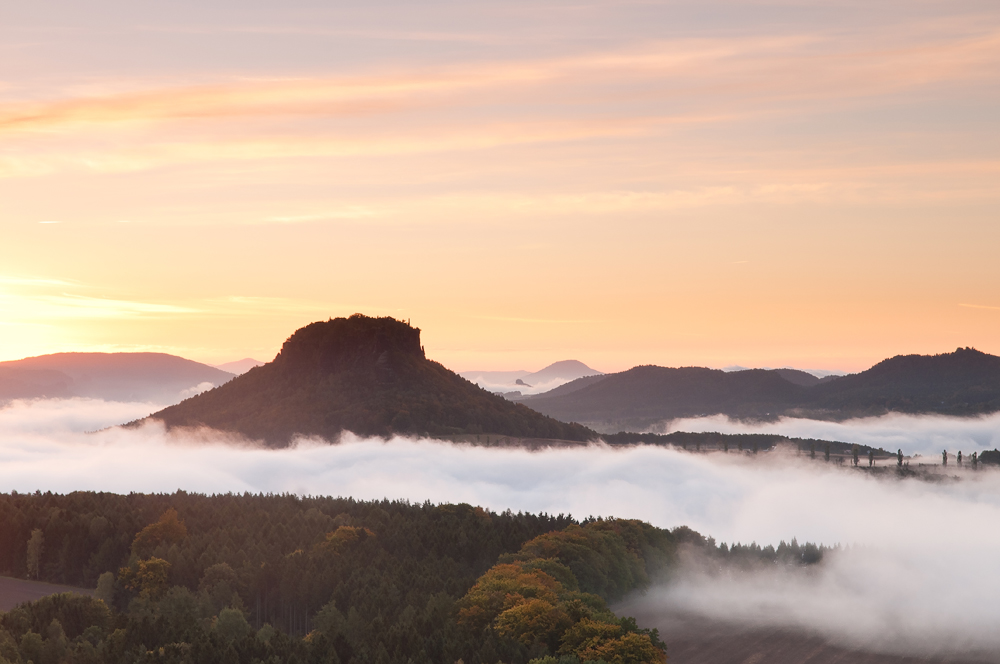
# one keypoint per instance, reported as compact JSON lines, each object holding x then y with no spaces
{"x":915,"y":574}
{"x":914,"y":434}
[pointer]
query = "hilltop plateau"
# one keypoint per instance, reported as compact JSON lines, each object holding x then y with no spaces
{"x":360,"y":374}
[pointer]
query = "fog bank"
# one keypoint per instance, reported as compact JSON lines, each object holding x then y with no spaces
{"x":914,"y":434}
{"x":920,"y":573}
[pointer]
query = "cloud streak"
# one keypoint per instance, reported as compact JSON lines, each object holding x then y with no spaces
{"x":769,"y":69}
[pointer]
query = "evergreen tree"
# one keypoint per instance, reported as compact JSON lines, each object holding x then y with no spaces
{"x":35,"y":544}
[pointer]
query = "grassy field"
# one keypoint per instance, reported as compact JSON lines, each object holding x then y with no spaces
{"x":16,"y":591}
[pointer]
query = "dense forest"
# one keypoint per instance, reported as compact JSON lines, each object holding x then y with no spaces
{"x":360,"y":374}
{"x":279,"y":578}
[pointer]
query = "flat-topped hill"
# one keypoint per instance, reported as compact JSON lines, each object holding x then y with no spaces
{"x":364,"y":375}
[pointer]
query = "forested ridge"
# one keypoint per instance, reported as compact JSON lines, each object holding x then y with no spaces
{"x":279,"y":578}
{"x":307,"y":579}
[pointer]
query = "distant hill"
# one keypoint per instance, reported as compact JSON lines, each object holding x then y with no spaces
{"x":646,"y":395}
{"x":155,"y":377}
{"x":359,"y":374}
{"x":966,"y":382}
{"x":552,"y":376}
{"x":565,"y":370}
{"x":239,"y":367}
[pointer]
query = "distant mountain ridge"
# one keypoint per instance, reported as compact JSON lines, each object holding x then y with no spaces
{"x":965,"y":382}
{"x":155,"y":377}
{"x":360,"y":374}
{"x":525,"y":382}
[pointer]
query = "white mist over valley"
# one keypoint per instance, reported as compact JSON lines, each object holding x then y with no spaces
{"x":913,"y":567}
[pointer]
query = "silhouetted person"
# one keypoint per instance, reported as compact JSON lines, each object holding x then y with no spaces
{"x":871,"y":458}
{"x":944,"y":458}
{"x":899,"y":457}
{"x":854,"y":454}
{"x":959,"y":457}
{"x":975,"y":460}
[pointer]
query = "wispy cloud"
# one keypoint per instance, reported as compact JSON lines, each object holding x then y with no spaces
{"x":765,"y":68}
{"x":65,"y":306}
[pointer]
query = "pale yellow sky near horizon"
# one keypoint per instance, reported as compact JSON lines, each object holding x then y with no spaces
{"x":798,"y":183}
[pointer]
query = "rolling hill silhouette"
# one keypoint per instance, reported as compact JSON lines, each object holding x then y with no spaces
{"x":155,"y":377}
{"x":364,"y":375}
{"x":965,"y":382}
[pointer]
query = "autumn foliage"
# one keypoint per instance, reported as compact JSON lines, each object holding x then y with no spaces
{"x":169,"y":528}
{"x":535,"y":598}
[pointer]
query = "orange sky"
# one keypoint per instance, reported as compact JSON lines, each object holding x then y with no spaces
{"x":810,"y":184}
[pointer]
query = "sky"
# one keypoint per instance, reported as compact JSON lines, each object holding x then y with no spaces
{"x":798,"y":183}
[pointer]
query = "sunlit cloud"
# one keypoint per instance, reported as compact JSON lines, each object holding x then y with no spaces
{"x":31,"y":300}
{"x":768,"y":68}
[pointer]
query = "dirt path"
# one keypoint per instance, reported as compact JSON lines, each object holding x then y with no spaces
{"x":16,"y":591}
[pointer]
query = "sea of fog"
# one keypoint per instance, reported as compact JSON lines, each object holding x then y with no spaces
{"x":916,"y":572}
